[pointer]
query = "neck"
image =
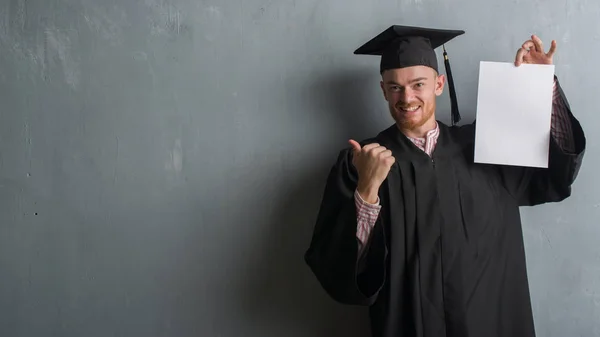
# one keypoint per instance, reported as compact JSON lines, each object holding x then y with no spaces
{"x":420,"y":131}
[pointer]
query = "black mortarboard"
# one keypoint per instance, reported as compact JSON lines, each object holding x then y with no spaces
{"x":405,"y":46}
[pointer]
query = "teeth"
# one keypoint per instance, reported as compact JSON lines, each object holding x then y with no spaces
{"x":411,"y":109}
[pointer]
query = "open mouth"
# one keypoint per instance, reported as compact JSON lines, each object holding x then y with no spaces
{"x":409,"y":109}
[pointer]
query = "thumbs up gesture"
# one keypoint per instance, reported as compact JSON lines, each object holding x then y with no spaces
{"x":373,"y":163}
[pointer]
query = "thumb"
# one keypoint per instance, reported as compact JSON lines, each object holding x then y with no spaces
{"x":355,"y":145}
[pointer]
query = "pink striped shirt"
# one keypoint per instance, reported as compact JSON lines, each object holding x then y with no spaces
{"x":367,"y":213}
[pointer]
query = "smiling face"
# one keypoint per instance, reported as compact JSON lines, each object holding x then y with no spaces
{"x":411,"y":94}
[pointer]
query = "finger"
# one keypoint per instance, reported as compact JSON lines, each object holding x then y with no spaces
{"x":355,"y":145}
{"x":368,"y":147}
{"x":520,"y":55}
{"x":390,"y":160}
{"x":552,"y":49}
{"x":539,"y":46}
{"x":529,"y":44}
{"x":377,"y":151}
{"x":385,"y":154}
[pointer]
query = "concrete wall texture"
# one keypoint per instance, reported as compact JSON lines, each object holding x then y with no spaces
{"x":162,"y":161}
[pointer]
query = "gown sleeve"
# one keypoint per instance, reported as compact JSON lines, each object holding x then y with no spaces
{"x":534,"y":186}
{"x":333,"y":254}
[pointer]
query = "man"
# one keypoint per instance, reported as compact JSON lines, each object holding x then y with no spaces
{"x":410,"y":226}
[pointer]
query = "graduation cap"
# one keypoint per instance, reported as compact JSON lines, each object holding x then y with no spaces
{"x":405,"y":46}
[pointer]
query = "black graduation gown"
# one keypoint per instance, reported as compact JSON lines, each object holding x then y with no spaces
{"x":446,"y":256}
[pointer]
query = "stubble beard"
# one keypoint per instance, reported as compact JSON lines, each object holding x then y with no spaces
{"x":409,"y":124}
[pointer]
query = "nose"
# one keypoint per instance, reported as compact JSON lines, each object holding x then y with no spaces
{"x":406,"y":95}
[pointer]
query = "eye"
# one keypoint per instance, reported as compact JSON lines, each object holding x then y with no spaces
{"x":419,"y":85}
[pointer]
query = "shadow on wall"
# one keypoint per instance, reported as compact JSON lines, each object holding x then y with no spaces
{"x":283,"y":294}
{"x":353,"y":100}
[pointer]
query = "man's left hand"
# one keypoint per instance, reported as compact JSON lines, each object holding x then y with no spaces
{"x":532,"y":52}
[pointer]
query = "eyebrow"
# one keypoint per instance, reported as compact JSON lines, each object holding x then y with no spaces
{"x":411,"y":81}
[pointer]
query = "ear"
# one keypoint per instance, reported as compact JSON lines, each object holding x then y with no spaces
{"x":440,"y":81}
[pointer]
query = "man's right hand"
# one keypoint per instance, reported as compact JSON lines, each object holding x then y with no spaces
{"x":373,"y":163}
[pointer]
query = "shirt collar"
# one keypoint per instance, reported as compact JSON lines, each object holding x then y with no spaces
{"x":430,"y":134}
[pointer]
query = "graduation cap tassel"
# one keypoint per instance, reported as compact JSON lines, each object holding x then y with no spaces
{"x":454,"y":102}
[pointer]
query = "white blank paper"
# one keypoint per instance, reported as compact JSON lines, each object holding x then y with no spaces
{"x":514,"y":109}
